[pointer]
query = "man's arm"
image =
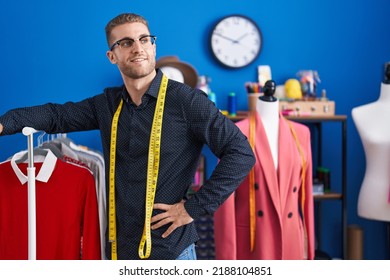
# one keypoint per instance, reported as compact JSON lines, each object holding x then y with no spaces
{"x":51,"y":118}
{"x":228,"y":144}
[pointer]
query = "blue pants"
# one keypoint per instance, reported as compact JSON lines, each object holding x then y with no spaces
{"x":188,"y":254}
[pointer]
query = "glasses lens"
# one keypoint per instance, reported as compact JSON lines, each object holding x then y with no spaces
{"x":126,"y":43}
{"x":146,"y":40}
{"x":152,"y":39}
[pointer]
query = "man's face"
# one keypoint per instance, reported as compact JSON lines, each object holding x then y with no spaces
{"x":136,"y":61}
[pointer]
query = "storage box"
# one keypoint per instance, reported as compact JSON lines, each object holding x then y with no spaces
{"x":307,"y":108}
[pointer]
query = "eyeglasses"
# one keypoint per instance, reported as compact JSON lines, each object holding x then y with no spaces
{"x":126,"y":43}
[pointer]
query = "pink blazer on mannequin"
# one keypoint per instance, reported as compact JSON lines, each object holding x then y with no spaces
{"x":283,"y":229}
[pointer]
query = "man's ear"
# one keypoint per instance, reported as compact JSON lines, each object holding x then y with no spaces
{"x":111,"y":57}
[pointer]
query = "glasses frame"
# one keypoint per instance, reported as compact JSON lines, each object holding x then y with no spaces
{"x":117,"y":43}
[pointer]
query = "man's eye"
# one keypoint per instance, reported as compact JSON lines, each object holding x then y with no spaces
{"x":126,"y":43}
{"x":144,"y":40}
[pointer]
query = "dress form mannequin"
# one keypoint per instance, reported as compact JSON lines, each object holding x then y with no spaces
{"x":271,"y":214}
{"x":268,"y":108}
{"x":374,"y":131}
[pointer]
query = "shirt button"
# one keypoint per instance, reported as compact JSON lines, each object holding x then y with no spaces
{"x":289,"y":215}
{"x":260,"y":213}
{"x":256,"y":186}
{"x":294,"y":189}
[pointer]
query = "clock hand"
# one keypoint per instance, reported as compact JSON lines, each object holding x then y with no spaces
{"x":227,"y":38}
{"x":242,"y":37}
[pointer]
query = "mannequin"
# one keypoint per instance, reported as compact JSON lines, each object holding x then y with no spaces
{"x":271,"y":214}
{"x":268,"y":108}
{"x":371,"y":123}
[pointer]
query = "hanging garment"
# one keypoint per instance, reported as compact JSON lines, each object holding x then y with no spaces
{"x":67,"y":219}
{"x":284,"y":229}
{"x":95,"y":162}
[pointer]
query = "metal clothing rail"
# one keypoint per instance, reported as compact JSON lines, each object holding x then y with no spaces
{"x":32,"y":231}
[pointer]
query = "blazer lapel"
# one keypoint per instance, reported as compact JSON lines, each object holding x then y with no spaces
{"x":287,"y":158}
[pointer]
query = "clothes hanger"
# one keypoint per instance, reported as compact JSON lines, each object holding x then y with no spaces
{"x":42,"y":149}
{"x":53,"y":147}
{"x":37,"y":152}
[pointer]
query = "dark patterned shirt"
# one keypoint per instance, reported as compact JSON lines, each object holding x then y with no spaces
{"x":190,"y":121}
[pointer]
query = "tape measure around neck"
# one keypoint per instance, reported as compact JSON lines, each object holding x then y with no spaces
{"x":111,"y":197}
{"x":152,"y":175}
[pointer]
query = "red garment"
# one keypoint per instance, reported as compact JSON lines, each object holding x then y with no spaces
{"x":280,"y":232}
{"x":66,"y":211}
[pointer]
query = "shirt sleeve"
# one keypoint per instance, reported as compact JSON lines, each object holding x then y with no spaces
{"x":51,"y":117}
{"x":229,"y":145}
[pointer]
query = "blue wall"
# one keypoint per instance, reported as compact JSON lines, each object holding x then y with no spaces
{"x":55,"y":51}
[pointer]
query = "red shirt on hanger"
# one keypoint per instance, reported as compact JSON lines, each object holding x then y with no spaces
{"x":66,"y":211}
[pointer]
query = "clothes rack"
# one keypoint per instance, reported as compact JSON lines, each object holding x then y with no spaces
{"x":32,"y":253}
{"x":38,"y":204}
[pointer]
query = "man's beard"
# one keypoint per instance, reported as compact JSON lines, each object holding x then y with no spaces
{"x":137,"y":73}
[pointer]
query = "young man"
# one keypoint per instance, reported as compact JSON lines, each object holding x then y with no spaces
{"x":153,"y":131}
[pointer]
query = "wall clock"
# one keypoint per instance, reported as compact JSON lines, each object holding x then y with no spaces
{"x":235,"y":41}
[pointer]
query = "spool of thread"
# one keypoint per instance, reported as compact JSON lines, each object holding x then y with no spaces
{"x":232,"y":104}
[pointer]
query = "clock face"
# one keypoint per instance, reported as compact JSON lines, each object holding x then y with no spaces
{"x":236,"y":41}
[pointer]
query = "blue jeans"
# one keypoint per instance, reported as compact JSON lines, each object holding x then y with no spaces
{"x":188,"y":254}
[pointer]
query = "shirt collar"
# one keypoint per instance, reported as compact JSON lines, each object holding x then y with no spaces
{"x":45,"y":172}
{"x":152,"y":90}
{"x":155,"y":85}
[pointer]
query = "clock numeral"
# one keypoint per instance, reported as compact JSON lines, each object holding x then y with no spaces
{"x":236,"y":20}
{"x":219,"y":30}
